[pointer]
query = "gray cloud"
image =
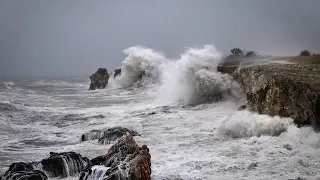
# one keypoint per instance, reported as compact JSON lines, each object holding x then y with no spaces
{"x":75,"y":37}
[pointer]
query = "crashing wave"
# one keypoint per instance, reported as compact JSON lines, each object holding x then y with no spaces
{"x":194,"y":78}
{"x":247,"y":124}
{"x":141,"y":64}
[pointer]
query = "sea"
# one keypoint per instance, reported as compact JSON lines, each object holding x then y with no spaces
{"x":185,"y":111}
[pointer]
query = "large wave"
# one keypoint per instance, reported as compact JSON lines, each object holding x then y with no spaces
{"x":194,"y":78}
{"x":141,"y":64}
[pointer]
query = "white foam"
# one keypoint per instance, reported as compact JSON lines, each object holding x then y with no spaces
{"x":194,"y":77}
{"x":98,"y":173}
{"x":186,"y":142}
{"x":139,"y":61}
{"x":8,"y":85}
{"x":247,"y":124}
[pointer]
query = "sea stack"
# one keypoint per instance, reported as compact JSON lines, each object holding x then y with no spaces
{"x":99,"y":80}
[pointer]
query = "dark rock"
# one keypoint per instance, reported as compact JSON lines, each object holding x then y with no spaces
{"x":64,"y":164}
{"x":59,"y":165}
{"x":99,"y":80}
{"x":242,"y":107}
{"x":288,"y":147}
{"x":286,"y":90}
{"x":124,"y":160}
{"x":252,"y":166}
{"x":26,"y":175}
{"x":107,"y":136}
{"x":298,"y":178}
{"x":117,"y":72}
{"x":23,"y":171}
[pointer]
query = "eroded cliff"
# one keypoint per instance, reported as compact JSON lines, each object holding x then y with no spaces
{"x":288,"y":89}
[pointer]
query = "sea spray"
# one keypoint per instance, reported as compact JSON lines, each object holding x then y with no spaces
{"x":248,"y":124}
{"x":98,"y":173}
{"x":194,"y":78}
{"x":140,"y":63}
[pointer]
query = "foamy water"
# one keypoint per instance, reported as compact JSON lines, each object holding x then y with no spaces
{"x":188,"y":138}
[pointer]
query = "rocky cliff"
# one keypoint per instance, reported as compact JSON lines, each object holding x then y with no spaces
{"x":290,"y":89}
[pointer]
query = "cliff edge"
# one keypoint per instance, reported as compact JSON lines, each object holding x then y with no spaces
{"x":287,"y":87}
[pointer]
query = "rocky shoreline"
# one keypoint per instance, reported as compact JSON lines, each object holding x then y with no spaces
{"x":124,"y":160}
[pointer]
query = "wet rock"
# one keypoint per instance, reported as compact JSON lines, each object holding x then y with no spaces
{"x":117,"y":72}
{"x":23,"y":171}
{"x":252,"y":166}
{"x":107,"y":136}
{"x":58,"y":165}
{"x":298,"y":178}
{"x":243,"y":107}
{"x":26,"y":175}
{"x":288,"y":147}
{"x":285,"y":90}
{"x":124,"y":160}
{"x":99,"y":80}
{"x":64,"y":164}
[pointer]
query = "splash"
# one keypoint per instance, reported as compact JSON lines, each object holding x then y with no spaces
{"x":194,"y":78}
{"x":141,"y":64}
{"x":247,"y":124}
{"x":98,"y":173}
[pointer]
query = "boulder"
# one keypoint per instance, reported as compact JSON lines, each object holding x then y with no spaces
{"x":23,"y":171}
{"x":117,"y":72}
{"x":64,"y":164}
{"x":124,"y":160}
{"x":99,"y":80}
{"x":58,"y":165}
{"x":107,"y":136}
{"x":286,"y":90}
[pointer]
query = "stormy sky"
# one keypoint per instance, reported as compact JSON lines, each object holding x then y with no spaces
{"x":75,"y":37}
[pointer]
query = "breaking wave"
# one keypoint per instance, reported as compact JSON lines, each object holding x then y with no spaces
{"x":141,"y":64}
{"x":192,"y":79}
{"x":8,"y":85}
{"x":247,"y":124}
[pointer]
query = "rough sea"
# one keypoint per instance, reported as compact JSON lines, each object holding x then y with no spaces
{"x":189,"y":136}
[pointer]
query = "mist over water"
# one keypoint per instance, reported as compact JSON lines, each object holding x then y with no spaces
{"x":184,"y":110}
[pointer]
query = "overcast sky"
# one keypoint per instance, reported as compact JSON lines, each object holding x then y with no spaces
{"x":75,"y":37}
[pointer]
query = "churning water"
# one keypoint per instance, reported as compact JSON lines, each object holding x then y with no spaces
{"x":184,"y":110}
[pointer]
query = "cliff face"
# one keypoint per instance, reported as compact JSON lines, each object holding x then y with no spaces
{"x":287,"y":90}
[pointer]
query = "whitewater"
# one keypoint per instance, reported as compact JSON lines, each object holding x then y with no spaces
{"x":185,"y":111}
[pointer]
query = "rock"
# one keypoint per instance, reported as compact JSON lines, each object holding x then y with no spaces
{"x":26,"y":175}
{"x":252,"y":166}
{"x":117,"y":72}
{"x":107,"y":136}
{"x":124,"y":160}
{"x":64,"y":164}
{"x":242,"y":107}
{"x":288,"y":147}
{"x":286,"y":90}
{"x":99,"y":80}
{"x":23,"y":171}
{"x":59,"y":165}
